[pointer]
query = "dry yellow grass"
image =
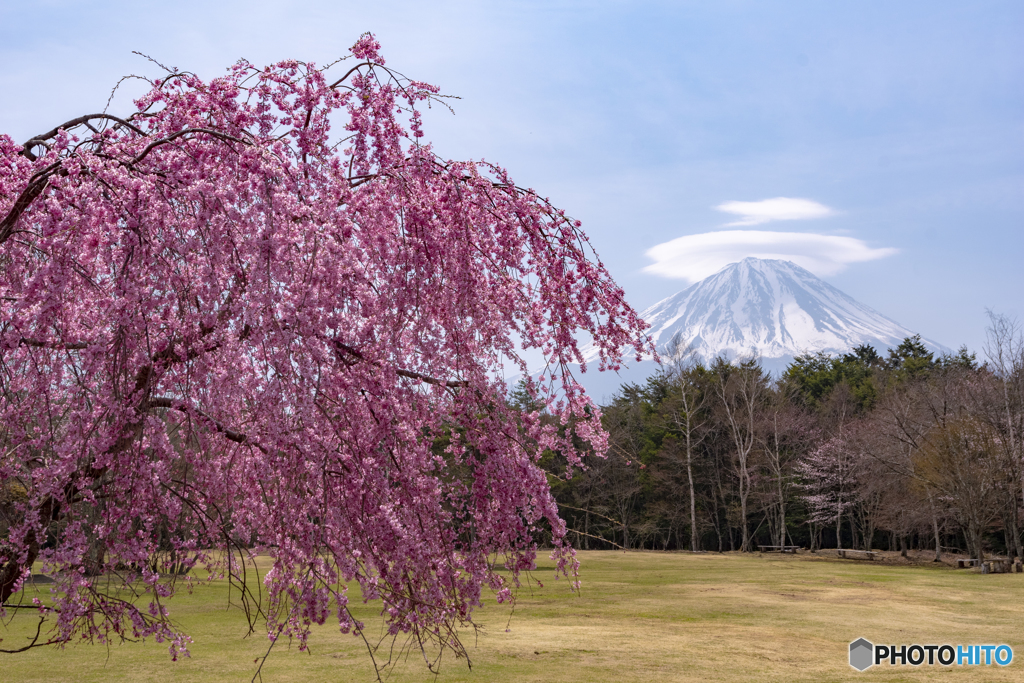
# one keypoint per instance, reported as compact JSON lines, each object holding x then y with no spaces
{"x":641,"y":617}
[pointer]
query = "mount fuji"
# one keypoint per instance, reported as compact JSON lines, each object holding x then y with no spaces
{"x":769,"y":309}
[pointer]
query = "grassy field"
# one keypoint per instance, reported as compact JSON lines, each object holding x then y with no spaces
{"x":641,"y":617}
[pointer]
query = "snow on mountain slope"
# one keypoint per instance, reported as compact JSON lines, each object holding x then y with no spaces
{"x":771,"y":309}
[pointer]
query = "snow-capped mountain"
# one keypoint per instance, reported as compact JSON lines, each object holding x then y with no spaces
{"x":770,"y":309}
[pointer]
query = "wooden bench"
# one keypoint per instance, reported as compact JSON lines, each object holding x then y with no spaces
{"x":997,"y":565}
{"x":778,"y":548}
{"x":851,"y":554}
{"x":1000,"y":565}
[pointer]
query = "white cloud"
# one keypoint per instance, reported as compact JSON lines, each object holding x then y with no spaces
{"x":778,"y":209}
{"x":694,"y":257}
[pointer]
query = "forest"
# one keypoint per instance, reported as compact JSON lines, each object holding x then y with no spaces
{"x":896,"y":451}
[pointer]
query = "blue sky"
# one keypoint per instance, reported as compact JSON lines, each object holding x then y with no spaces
{"x":899,"y":125}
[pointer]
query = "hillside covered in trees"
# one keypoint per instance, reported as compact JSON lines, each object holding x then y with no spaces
{"x":895,"y":451}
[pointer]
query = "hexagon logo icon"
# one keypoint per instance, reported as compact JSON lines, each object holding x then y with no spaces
{"x":861,"y":652}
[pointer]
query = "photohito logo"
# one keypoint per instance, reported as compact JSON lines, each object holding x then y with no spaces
{"x":863,"y":654}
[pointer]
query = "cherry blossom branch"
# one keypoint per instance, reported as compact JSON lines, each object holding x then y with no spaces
{"x":350,"y":351}
{"x":35,"y":187}
{"x":31,"y":142}
{"x":223,"y":137}
{"x":181,"y":406}
{"x":38,"y":343}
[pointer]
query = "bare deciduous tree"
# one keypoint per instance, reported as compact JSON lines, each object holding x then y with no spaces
{"x":741,"y":390}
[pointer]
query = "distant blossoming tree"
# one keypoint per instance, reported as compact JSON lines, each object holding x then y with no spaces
{"x":225,"y":327}
{"x":828,"y":473}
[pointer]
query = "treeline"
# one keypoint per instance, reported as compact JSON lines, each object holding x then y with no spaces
{"x":896,"y":451}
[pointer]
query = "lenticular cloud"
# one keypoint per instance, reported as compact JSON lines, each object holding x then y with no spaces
{"x":695,"y":257}
{"x":778,"y":209}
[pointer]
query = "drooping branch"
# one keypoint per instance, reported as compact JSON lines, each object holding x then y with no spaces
{"x":35,"y":187}
{"x":352,"y":356}
{"x":40,"y":344}
{"x":219,"y":427}
{"x":34,"y":641}
{"x":67,"y":125}
{"x":223,"y":137}
{"x":39,"y":182}
{"x":448,"y":383}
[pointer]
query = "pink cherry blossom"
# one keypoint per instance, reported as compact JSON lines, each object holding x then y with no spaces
{"x":261,"y":315}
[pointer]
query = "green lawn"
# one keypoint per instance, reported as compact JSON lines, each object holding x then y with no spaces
{"x":641,"y":617}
